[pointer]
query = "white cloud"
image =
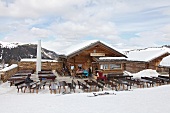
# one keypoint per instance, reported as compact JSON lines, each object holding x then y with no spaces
{"x":37,"y":32}
{"x":69,"y":22}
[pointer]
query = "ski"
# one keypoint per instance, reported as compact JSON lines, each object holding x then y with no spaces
{"x":66,"y":93}
{"x":100,"y":94}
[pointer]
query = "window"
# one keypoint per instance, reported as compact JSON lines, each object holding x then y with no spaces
{"x":104,"y":66}
{"x":115,"y":66}
{"x":72,"y":67}
{"x":110,"y":66}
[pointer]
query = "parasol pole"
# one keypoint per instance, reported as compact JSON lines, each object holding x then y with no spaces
{"x":38,"y":63}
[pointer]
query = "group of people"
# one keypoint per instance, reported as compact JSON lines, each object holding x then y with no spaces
{"x":88,"y":72}
{"x":99,"y":74}
{"x":83,"y":72}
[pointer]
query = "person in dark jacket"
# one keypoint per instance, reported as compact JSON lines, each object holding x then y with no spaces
{"x":28,"y":80}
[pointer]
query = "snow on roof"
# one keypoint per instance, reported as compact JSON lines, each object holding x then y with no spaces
{"x":165,"y":61}
{"x":144,"y":73}
{"x":112,"y":58}
{"x":9,"y":68}
{"x":145,"y":54}
{"x":77,"y":47}
{"x":34,"y":60}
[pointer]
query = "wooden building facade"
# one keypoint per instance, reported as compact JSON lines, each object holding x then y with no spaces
{"x":88,"y":57}
{"x":30,"y":64}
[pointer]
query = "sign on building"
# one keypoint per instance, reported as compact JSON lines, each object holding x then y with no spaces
{"x":97,"y":54}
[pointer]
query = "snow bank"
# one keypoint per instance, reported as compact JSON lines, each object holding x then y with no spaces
{"x":165,"y":61}
{"x":34,"y":60}
{"x":143,"y":73}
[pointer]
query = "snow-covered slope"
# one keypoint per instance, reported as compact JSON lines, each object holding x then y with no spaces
{"x":13,"y":52}
{"x":8,"y":44}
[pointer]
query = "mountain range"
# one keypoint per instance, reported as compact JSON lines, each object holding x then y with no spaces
{"x":14,"y":52}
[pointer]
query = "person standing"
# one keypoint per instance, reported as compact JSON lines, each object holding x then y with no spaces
{"x":89,"y":71}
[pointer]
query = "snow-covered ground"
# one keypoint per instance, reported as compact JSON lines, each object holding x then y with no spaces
{"x":138,"y":100}
{"x":147,"y":100}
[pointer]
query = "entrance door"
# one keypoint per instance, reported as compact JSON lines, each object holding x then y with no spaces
{"x":95,"y":66}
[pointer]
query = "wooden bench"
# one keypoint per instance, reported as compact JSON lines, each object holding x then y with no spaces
{"x":129,"y":82}
{"x":20,"y":85}
{"x":111,"y":84}
{"x":163,"y":80}
{"x":84,"y":87}
{"x":145,"y":81}
{"x":101,"y":82}
{"x":72,"y":86}
{"x":152,"y":80}
{"x":121,"y":82}
{"x":30,"y":86}
{"x":14,"y":80}
{"x":91,"y":84}
{"x":98,"y":85}
{"x":38,"y":86}
{"x":138,"y":82}
{"x":112,"y":75}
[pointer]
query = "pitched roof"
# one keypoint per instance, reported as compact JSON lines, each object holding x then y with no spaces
{"x":84,"y":45}
{"x":146,"y":55}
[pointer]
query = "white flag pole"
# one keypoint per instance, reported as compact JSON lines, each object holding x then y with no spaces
{"x":38,"y":63}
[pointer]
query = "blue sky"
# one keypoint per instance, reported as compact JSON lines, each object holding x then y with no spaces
{"x":125,"y":24}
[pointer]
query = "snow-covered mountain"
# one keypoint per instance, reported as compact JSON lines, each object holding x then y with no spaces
{"x":8,"y":45}
{"x":14,"y":52}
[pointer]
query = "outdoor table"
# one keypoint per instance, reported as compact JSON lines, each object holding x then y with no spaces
{"x":46,"y":76}
{"x":45,"y":72}
{"x":12,"y":80}
{"x":21,"y":74}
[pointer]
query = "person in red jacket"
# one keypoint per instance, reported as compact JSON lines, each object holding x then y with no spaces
{"x":101,"y":76}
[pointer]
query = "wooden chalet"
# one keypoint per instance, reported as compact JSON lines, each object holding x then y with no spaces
{"x":150,"y":58}
{"x":88,"y":55}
